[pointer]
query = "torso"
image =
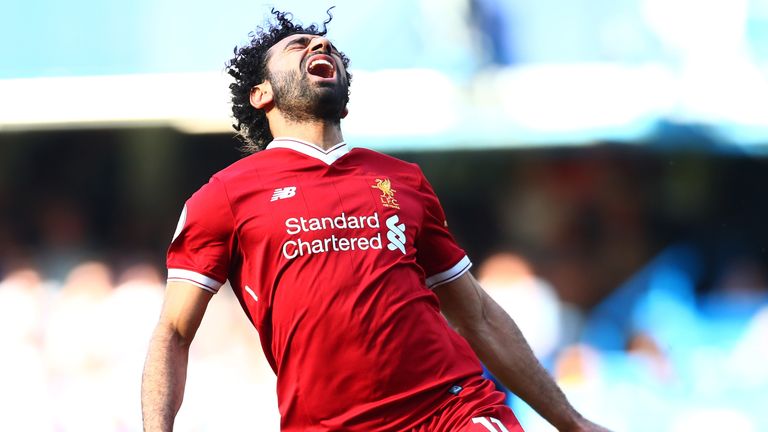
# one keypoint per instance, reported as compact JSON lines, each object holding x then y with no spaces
{"x":327,"y":268}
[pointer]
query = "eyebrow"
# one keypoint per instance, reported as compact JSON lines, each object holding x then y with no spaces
{"x":305,"y":40}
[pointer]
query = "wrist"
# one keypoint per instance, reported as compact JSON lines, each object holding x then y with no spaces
{"x":580,"y":424}
{"x":573,"y":422}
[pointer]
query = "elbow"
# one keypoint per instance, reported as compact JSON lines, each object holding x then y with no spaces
{"x":170,"y":335}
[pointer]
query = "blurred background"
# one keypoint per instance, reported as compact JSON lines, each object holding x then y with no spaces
{"x":604,"y":164}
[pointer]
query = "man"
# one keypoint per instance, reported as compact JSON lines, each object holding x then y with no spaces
{"x":342,"y":261}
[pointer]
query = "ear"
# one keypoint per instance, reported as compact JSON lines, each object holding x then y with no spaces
{"x":261,"y":95}
{"x":344,"y":112}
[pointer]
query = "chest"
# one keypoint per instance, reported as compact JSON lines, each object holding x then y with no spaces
{"x":296,"y":214}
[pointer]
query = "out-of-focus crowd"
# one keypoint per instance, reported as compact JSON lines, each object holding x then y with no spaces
{"x":653,"y":355}
{"x":73,"y":351}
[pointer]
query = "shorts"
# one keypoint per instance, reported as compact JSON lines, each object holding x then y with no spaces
{"x":472,"y":406}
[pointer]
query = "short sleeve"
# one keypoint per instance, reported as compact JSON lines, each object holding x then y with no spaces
{"x":202,"y":244}
{"x":436,"y":250}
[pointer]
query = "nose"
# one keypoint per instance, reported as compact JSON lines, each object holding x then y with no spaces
{"x":320,"y":44}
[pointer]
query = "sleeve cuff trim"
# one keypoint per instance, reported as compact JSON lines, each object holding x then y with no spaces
{"x":194,"y":278}
{"x":451,"y":274}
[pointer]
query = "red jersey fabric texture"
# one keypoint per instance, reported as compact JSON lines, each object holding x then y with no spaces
{"x":333,"y":255}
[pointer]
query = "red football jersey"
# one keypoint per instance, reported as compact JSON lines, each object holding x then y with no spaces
{"x":333,"y":255}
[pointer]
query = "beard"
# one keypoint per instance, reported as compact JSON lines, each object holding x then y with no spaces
{"x":299,"y":100}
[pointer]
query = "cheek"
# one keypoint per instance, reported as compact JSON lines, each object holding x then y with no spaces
{"x":282,"y":63}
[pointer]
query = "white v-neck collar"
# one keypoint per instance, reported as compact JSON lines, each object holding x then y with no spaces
{"x":328,"y":156}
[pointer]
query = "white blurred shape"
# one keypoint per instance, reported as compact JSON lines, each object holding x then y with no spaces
{"x":712,"y":419}
{"x":583,"y":96}
{"x":23,"y":392}
{"x":749,"y":358}
{"x":402,"y":102}
{"x":131,"y":312}
{"x":528,"y":299}
{"x":75,"y":352}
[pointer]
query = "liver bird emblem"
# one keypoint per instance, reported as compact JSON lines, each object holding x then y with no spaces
{"x":385,"y":186}
{"x":387,"y":193}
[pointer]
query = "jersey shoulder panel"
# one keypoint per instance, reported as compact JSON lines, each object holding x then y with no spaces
{"x":385,"y":159}
{"x":236,"y":168}
{"x":201,"y":248}
{"x":383,"y":164}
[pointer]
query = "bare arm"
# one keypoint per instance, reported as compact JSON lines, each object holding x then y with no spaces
{"x":498,"y":342}
{"x":165,"y":369}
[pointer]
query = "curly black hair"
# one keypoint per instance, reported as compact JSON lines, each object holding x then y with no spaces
{"x":249,"y":68}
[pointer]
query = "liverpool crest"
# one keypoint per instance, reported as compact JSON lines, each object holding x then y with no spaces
{"x":387,"y":193}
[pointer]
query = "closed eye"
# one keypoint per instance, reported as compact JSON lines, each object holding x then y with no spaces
{"x":300,"y":42}
{"x":303,"y":41}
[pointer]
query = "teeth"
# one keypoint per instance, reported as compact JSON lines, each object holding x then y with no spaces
{"x":319,"y":62}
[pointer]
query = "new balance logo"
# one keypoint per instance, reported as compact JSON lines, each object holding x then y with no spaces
{"x":396,"y":234}
{"x":283,"y":193}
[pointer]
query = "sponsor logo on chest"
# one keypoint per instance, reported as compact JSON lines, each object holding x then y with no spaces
{"x":344,"y":232}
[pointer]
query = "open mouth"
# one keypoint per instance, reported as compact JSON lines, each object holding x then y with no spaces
{"x":321,"y":67}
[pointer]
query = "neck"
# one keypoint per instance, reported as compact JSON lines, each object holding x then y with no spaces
{"x":324,"y":134}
